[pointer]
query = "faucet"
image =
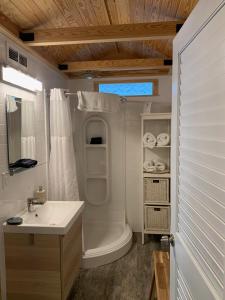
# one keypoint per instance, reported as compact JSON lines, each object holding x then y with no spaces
{"x":31,"y":202}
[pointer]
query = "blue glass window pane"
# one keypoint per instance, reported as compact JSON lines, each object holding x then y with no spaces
{"x":127,"y":88}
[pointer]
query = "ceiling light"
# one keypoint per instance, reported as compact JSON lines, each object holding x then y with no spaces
{"x":21,"y":79}
{"x":88,"y":75}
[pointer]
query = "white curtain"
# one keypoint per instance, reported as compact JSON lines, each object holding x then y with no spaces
{"x":28,"y":140}
{"x":62,"y":166}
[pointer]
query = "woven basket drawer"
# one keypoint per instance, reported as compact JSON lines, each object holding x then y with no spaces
{"x":156,"y":190}
{"x":157,"y":218}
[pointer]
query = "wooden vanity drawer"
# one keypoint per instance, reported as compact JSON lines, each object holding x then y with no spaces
{"x":71,"y":255}
{"x":42,"y":266}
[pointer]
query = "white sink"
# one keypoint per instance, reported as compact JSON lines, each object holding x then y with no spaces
{"x":53,"y":217}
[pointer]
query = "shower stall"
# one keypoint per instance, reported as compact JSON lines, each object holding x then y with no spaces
{"x":100,"y":151}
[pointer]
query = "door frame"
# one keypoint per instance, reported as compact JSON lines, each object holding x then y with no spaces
{"x":202,"y":14}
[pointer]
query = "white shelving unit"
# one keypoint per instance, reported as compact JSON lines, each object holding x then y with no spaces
{"x":155,"y":187}
{"x":158,"y":147}
{"x":154,"y":175}
{"x":96,"y":161}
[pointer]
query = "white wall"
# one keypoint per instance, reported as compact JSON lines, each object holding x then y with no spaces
{"x":161,"y":103}
{"x":14,"y":190}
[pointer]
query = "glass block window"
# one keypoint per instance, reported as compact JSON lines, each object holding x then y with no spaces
{"x":139,"y":88}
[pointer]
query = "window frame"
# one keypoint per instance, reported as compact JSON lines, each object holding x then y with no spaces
{"x":155,"y":83}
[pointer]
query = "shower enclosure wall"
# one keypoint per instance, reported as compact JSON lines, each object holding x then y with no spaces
{"x":101,"y":175}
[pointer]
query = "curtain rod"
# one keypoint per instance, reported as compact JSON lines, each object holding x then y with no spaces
{"x":122,"y":99}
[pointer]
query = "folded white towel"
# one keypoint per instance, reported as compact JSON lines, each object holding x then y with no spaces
{"x":99,"y":102}
{"x":154,"y":166}
{"x":149,"y":140}
{"x":163,"y":139}
{"x":149,"y":167}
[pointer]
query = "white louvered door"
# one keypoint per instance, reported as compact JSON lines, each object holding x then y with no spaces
{"x":200,"y":213}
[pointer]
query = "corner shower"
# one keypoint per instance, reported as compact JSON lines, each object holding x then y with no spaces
{"x":101,"y":169}
{"x":95,"y":136}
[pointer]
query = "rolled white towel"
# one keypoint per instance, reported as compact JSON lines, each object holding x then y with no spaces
{"x":151,"y":169}
{"x":160,"y":166}
{"x":148,"y":166}
{"x":163,"y":139}
{"x":149,"y":140}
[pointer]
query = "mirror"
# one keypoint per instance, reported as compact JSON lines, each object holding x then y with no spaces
{"x":20,"y":116}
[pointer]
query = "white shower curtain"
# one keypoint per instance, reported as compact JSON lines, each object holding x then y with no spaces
{"x":28,"y":140}
{"x":62,"y":166}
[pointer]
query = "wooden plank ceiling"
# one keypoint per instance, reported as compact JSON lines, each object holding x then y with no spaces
{"x":45,"y":14}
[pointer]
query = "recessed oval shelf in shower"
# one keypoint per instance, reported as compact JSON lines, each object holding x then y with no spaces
{"x":96,"y":161}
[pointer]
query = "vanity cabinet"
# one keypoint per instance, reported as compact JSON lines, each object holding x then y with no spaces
{"x":42,"y":266}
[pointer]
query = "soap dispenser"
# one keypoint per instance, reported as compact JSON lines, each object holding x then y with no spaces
{"x":40,"y":194}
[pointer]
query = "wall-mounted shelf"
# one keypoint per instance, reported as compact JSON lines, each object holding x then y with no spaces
{"x":14,"y":171}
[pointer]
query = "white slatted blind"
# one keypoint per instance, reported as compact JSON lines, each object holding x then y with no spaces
{"x":201,"y":216}
{"x":183,"y":292}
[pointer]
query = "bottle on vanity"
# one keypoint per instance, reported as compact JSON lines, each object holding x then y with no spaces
{"x":40,"y":194}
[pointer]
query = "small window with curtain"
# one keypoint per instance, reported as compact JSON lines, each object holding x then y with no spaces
{"x":129,"y":88}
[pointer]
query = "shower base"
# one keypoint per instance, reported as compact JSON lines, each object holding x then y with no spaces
{"x":105,"y":243}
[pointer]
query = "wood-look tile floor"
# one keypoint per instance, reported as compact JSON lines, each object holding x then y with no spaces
{"x":128,"y":278}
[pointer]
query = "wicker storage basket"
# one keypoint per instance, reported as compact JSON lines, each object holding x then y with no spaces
{"x":156,"y":190}
{"x":157,"y":218}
